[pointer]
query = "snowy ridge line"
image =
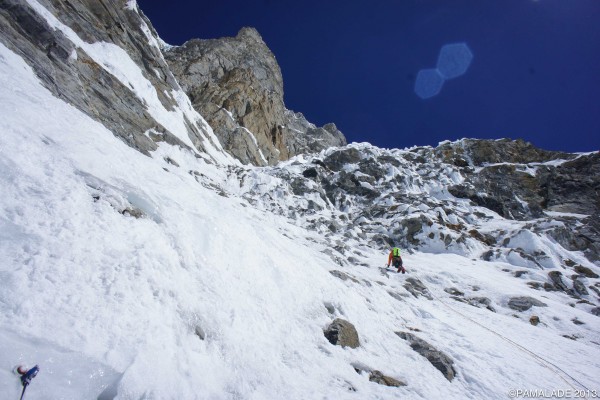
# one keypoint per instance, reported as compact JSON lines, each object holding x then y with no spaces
{"x":541,"y":361}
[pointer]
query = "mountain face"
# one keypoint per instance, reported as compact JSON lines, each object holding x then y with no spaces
{"x":103,"y":57}
{"x":448,"y":199}
{"x":236,"y":84}
{"x":150,"y":253}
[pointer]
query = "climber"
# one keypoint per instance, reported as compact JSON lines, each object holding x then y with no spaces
{"x":396,"y":260}
{"x":27,"y":374}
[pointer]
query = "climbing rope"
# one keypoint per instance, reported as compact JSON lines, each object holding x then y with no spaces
{"x":539,"y":359}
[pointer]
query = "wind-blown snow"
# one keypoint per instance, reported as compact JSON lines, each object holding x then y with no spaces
{"x":109,"y":305}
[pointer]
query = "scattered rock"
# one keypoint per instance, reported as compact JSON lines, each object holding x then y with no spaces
{"x":579,"y":287}
{"x":330,"y":308}
{"x":534,"y":320}
{"x":481,"y":302}
{"x":595,"y":311}
{"x":524,"y":303}
{"x":397,"y":296}
{"x":169,"y":160}
{"x":417,"y":288}
{"x":438,"y":359}
{"x":518,"y":274}
{"x":487,"y":256}
{"x":133,"y":212}
{"x":588,"y":273}
{"x":572,"y":337}
{"x":485,"y":238}
{"x":570,"y":263}
{"x":342,"y":333}
{"x":310,"y":173}
{"x":556,"y":278}
{"x":453,"y":291}
{"x":343,"y":276}
{"x":378,"y":377}
{"x":200,"y":332}
{"x":548,"y":287}
{"x":577,"y":322}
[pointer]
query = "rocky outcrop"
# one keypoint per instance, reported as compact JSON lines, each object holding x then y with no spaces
{"x":69,"y":60}
{"x":526,"y":189}
{"x":236,"y":84}
{"x":342,"y":333}
{"x":421,"y":199}
{"x":437,"y":358}
{"x":505,"y":189}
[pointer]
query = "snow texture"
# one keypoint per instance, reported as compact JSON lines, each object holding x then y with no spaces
{"x":130,"y":277}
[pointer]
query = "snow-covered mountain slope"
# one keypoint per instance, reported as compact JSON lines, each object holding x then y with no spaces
{"x":170,"y":277}
{"x":104,"y":58}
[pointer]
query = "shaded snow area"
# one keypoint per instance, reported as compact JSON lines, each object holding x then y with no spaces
{"x":164,"y":277}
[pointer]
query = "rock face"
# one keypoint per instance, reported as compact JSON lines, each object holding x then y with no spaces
{"x":390,"y":195}
{"x":513,"y":181}
{"x":68,"y":65}
{"x":484,"y":152}
{"x":438,"y":359}
{"x":342,"y":333}
{"x":236,"y":84}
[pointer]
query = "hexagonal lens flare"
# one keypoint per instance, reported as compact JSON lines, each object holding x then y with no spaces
{"x":429,"y":83}
{"x":454,"y":60}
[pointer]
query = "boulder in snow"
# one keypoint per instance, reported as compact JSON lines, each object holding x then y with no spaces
{"x":588,"y":273}
{"x":438,"y":359}
{"x":380,"y":378}
{"x":556,"y":278}
{"x":342,"y":333}
{"x":524,"y":303}
{"x":417,"y":288}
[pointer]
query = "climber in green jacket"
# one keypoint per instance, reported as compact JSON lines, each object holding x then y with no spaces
{"x":396,"y":260}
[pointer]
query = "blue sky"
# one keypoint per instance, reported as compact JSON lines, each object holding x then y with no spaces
{"x":535,"y":72}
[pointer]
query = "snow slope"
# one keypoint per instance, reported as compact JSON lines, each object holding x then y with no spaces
{"x":113,"y":306}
